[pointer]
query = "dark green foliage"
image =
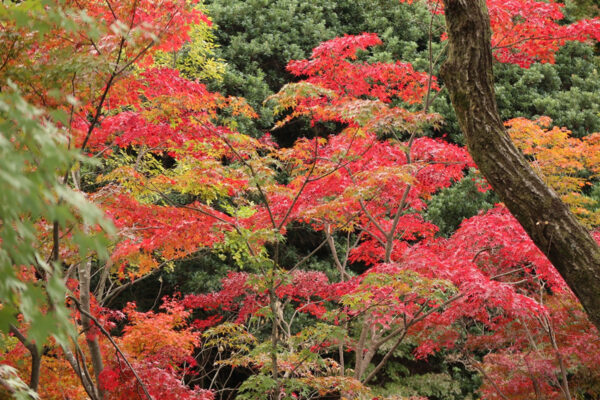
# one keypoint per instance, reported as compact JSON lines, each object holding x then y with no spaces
{"x":434,"y":386}
{"x":595,"y":194}
{"x":197,"y":275}
{"x":433,"y":378}
{"x":566,"y":91}
{"x":584,"y":8}
{"x":463,"y":200}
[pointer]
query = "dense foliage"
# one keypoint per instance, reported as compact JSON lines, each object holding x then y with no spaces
{"x":156,"y":243}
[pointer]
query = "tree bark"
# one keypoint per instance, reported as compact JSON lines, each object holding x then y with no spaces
{"x":36,"y":357}
{"x":468,"y":76}
{"x":84,"y":273}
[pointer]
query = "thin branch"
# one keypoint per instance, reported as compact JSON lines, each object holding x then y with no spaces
{"x":87,"y":385}
{"x":111,"y":10}
{"x":82,"y":367}
{"x":115,"y":345}
{"x":309,"y":255}
{"x":8,"y":55}
{"x":254,"y":175}
{"x":114,"y":292}
{"x":419,"y":319}
{"x":486,"y":376}
{"x":297,"y":197}
{"x":336,"y":259}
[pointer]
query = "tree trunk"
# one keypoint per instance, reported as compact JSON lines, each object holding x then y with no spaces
{"x":468,"y":76}
{"x":84,"y":273}
{"x":36,"y":357}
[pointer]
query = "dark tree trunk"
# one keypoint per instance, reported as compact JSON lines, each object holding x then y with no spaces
{"x":36,"y":357}
{"x":468,"y":76}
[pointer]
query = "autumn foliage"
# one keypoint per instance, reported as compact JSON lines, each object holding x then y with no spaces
{"x":178,"y":179}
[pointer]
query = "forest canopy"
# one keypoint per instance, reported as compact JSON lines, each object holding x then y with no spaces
{"x":272,"y":199}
